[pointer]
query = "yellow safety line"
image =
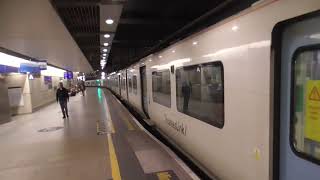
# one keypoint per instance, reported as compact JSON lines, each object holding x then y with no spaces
{"x":127,"y":122}
{"x":114,"y":161}
{"x":109,"y":119}
{"x":110,"y":126}
{"x":129,"y":125}
{"x":164,"y":176}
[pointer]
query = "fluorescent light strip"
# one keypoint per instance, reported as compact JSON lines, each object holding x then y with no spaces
{"x":8,"y":60}
{"x":12,"y":61}
{"x":53,"y":71}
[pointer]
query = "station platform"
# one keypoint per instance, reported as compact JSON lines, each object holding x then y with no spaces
{"x":101,"y":140}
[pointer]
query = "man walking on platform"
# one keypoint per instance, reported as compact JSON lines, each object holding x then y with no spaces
{"x":63,"y":99}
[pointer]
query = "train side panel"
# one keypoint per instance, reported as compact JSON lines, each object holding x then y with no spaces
{"x":242,"y":44}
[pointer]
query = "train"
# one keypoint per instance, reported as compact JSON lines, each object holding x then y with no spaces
{"x":241,"y":97}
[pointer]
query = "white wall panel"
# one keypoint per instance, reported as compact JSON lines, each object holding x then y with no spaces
{"x":33,"y":28}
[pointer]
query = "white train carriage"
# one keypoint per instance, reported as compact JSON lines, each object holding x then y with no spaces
{"x":232,"y":97}
{"x":95,"y":83}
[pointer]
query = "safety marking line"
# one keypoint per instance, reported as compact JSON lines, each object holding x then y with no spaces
{"x":128,"y":123}
{"x":109,"y":119}
{"x":164,"y":176}
{"x":169,"y":151}
{"x":110,"y":126}
{"x":113,"y":159}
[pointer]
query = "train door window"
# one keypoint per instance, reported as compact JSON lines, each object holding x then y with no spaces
{"x":200,"y":92}
{"x":123,"y":84}
{"x":305,"y":120}
{"x":161,"y":89}
{"x":134,"y":84}
{"x":130,"y":85}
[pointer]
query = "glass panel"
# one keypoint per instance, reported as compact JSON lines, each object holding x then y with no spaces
{"x":306,"y":103}
{"x":130,"y":85}
{"x":161,"y":89}
{"x":200,"y":92}
{"x":134,"y":84}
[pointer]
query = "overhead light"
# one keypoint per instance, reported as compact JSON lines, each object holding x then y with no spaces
{"x":107,"y":35}
{"x":235,"y":28}
{"x":160,"y":56}
{"x":150,"y":60}
{"x":173,"y":51}
{"x":195,"y":43}
{"x":105,"y":50}
{"x":103,"y":57}
{"x":315,"y":36}
{"x":8,"y":60}
{"x":109,"y":21}
{"x":53,"y":71}
{"x":104,"y":54}
{"x":106,"y":44}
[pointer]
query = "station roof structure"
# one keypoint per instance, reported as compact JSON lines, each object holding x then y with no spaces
{"x":113,"y":34}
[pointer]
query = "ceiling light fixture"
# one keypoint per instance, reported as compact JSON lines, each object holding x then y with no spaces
{"x":160,"y":56}
{"x":235,"y":28}
{"x":105,"y":50}
{"x":195,"y":43}
{"x":104,"y":54}
{"x":109,"y":21}
{"x":173,"y":51}
{"x":106,"y":44}
{"x":107,"y":35}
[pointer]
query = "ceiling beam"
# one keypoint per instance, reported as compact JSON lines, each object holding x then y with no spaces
{"x":64,"y":3}
{"x":151,"y":21}
{"x":134,"y":43}
{"x":90,"y":34}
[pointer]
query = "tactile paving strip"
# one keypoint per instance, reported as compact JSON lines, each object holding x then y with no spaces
{"x":50,"y":129}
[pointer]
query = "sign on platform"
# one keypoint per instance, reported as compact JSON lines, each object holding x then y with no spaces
{"x":312,"y":111}
{"x":30,"y":67}
{"x":68,"y":75}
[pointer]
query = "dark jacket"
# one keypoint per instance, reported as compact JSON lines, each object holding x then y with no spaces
{"x":62,"y":95}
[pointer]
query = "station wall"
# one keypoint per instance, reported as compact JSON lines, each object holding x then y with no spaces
{"x":36,"y":92}
{"x":4,"y":101}
{"x":14,"y":80}
{"x":41,"y":93}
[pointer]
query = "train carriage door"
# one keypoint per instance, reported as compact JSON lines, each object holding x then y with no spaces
{"x":127,"y":88}
{"x":119,"y":84}
{"x":144,"y":90}
{"x":298,"y":114}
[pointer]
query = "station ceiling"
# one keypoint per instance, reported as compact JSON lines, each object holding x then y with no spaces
{"x":140,"y":26}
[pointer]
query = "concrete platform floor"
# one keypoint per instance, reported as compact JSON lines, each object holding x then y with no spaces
{"x":43,"y":146}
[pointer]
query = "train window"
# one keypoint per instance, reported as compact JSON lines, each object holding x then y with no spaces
{"x":161,"y":89}
{"x":305,"y":118}
{"x":134,"y":84}
{"x":123,"y":83}
{"x":200,"y":92}
{"x":130,"y":85}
